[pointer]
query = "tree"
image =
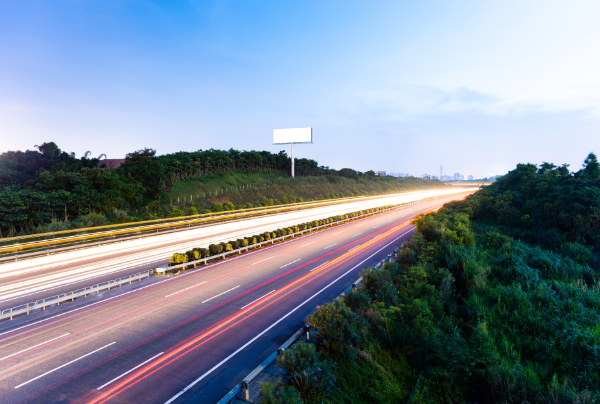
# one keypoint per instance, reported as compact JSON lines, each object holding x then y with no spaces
{"x":591,"y":167}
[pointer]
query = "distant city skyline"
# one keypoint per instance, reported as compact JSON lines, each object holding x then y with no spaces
{"x":479,"y":87}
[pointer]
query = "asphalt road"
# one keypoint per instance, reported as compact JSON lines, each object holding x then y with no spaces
{"x":200,"y":332}
{"x":26,"y":281}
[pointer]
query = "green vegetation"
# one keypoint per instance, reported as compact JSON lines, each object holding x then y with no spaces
{"x":495,"y":300}
{"x":216,"y":249}
{"x":50,"y":190}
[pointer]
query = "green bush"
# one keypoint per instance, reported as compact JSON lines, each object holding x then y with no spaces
{"x":216,"y":207}
{"x":307,"y":372}
{"x":193,"y":211}
{"x":176,"y":213}
{"x":215,"y":249}
{"x":279,"y":394}
{"x":178,"y":259}
{"x":93,"y":219}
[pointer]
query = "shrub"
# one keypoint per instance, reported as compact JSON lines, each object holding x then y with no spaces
{"x":216,"y":207}
{"x":279,"y":394}
{"x":206,"y":211}
{"x":306,"y":371}
{"x":203,"y":252}
{"x":176,"y":213}
{"x":120,"y":215}
{"x":338,"y":327}
{"x":93,"y":219}
{"x":228,"y":206}
{"x":248,"y":206}
{"x":235,"y":244}
{"x":178,"y":259}
{"x":284,"y":200}
{"x":215,"y":249}
{"x":193,"y":211}
{"x":245,"y":242}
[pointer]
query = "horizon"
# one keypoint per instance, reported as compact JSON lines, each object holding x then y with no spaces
{"x":394,"y":87}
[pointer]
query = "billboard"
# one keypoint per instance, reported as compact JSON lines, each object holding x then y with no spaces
{"x":296,"y":135}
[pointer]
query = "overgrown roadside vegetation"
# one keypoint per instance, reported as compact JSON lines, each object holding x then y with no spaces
{"x":495,"y":300}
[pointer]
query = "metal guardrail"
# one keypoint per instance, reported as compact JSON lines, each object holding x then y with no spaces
{"x":40,"y":248}
{"x":173,"y":223}
{"x":204,"y":261}
{"x":43,"y":303}
{"x":63,"y":297}
{"x":244,"y":385}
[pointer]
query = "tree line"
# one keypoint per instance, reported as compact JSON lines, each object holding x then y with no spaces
{"x":46,"y":188}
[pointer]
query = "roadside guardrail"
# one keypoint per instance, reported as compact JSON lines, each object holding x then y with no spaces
{"x":43,"y":303}
{"x":64,"y":297}
{"x":244,"y":385}
{"x":96,"y":237}
{"x":204,"y":261}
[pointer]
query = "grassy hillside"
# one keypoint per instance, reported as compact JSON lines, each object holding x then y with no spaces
{"x":242,"y":189}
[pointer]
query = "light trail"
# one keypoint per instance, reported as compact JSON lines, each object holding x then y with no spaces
{"x":222,"y":326}
{"x":77,"y":270}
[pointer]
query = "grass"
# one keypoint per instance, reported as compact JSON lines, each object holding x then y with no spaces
{"x":241,"y":188}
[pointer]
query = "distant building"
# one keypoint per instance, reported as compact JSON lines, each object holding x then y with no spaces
{"x":456,"y":177}
{"x":425,"y":175}
{"x":434,"y":177}
{"x":462,"y":177}
{"x":470,"y":178}
{"x":380,"y":173}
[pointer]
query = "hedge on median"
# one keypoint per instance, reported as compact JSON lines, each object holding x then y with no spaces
{"x":216,"y":249}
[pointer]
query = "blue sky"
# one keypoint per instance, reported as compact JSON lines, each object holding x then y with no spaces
{"x":389,"y":85}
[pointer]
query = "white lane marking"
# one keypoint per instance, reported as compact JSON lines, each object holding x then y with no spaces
{"x":352,"y":249}
{"x":221,"y":293}
{"x":377,"y":226}
{"x":290,"y":263}
{"x":35,"y":346}
{"x":129,"y":371}
{"x":254,"y":301}
{"x":318,"y":266}
{"x":308,"y":244}
{"x":62,"y":366}
{"x":330,"y":246}
{"x":263,"y":260}
{"x":84,"y":307}
{"x":218,"y":365}
{"x":182,"y":290}
{"x":358,"y":234}
{"x":336,"y":233}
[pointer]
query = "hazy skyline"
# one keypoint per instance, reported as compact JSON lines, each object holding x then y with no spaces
{"x":394,"y":86}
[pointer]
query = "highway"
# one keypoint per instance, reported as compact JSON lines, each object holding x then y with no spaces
{"x":29,"y":280}
{"x":189,"y":338}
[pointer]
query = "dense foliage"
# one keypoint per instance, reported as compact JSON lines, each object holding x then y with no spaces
{"x":51,"y":190}
{"x":478,"y":307}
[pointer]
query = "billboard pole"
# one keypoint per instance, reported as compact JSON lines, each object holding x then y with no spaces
{"x":292,"y":159}
{"x":291,"y":136}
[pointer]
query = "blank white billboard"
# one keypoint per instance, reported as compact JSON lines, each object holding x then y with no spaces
{"x":296,"y":135}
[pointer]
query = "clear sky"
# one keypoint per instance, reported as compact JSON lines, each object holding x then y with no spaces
{"x":477,"y":86}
